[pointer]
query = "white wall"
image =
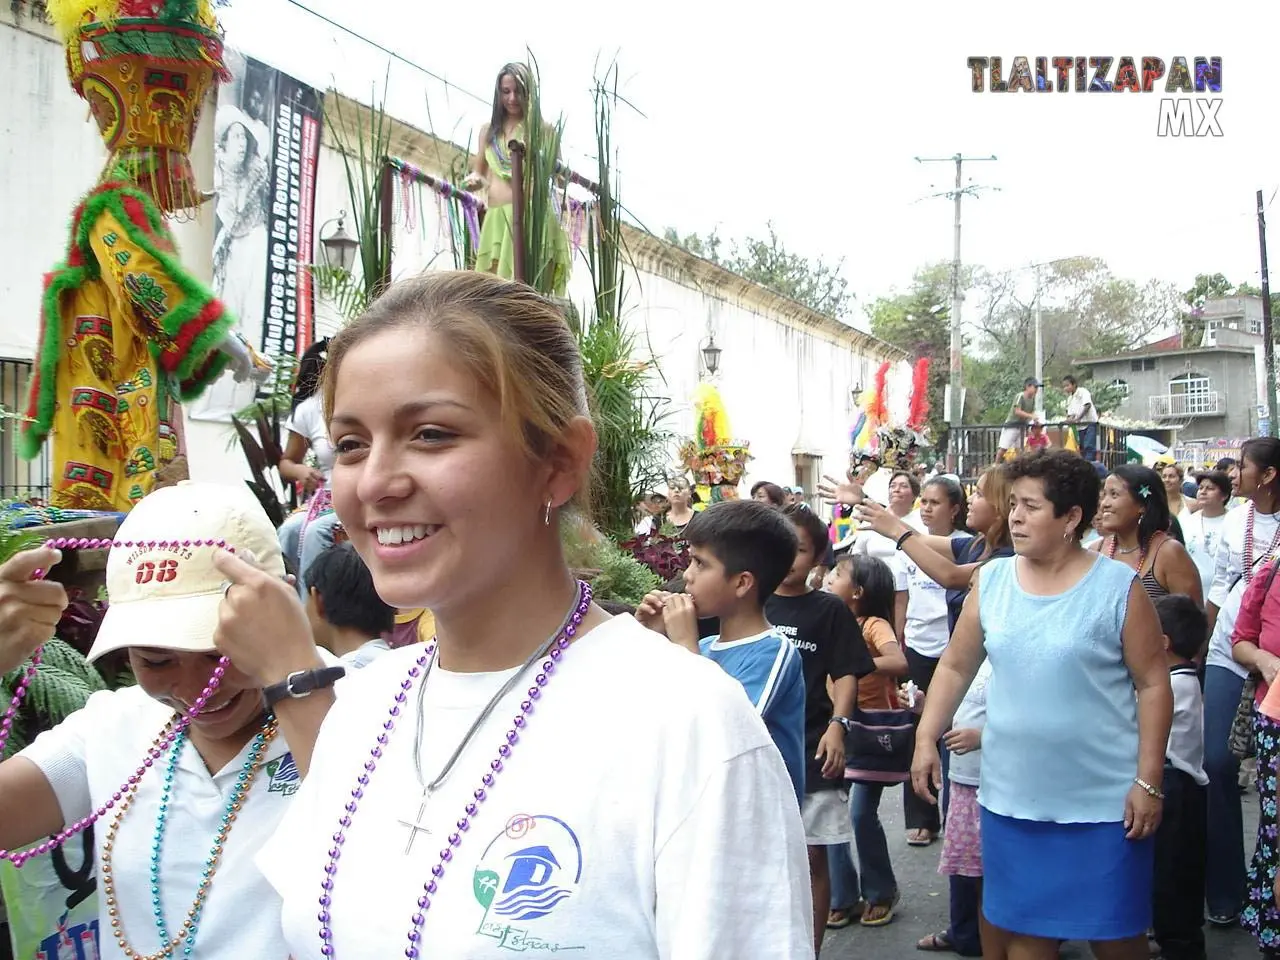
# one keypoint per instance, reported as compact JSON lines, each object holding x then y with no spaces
{"x":786,"y":389}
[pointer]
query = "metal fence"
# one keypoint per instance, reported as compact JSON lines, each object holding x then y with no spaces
{"x":977,"y":446}
{"x":18,"y":478}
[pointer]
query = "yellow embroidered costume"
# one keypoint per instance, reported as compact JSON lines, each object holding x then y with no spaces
{"x":125,"y":330}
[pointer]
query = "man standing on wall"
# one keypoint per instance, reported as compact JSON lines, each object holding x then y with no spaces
{"x":1080,"y":410}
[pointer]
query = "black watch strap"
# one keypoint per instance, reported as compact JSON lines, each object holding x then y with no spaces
{"x":301,"y":683}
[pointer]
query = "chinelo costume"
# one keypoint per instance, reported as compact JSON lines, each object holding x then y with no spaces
{"x":125,"y":330}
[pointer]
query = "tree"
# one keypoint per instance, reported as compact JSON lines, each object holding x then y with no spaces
{"x":814,"y":283}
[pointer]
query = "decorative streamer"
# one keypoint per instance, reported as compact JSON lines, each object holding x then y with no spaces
{"x":919,"y":395}
{"x":878,"y":410}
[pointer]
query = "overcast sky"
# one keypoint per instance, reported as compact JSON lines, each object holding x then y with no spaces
{"x":810,"y":114}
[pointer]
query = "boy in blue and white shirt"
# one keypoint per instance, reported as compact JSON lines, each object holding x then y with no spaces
{"x":741,"y":550}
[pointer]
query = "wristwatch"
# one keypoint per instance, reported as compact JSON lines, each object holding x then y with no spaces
{"x":301,"y":683}
{"x":843,"y":721}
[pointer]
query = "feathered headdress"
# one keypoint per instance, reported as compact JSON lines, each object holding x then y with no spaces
{"x":145,"y":68}
{"x":919,"y":410}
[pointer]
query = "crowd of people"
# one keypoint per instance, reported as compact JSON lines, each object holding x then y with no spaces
{"x":1060,"y":678}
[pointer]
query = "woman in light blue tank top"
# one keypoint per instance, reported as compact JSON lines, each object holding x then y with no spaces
{"x":1070,"y":789}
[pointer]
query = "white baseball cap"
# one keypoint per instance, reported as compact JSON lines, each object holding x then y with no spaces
{"x":168,"y":596}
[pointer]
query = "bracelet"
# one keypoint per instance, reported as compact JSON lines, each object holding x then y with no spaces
{"x":1151,"y":791}
{"x":903,"y":539}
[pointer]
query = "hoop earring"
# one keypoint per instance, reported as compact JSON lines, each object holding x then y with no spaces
{"x":546,"y":514}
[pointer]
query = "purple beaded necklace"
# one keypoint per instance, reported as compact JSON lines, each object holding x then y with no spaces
{"x":555,"y":650}
{"x":171,"y":730}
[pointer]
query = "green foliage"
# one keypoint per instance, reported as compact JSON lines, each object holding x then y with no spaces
{"x":628,"y":416}
{"x":614,"y":573}
{"x":541,"y":159}
{"x":63,"y":683}
{"x":363,"y":161}
{"x":815,"y":283}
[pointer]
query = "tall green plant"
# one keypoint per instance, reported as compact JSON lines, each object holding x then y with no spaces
{"x":541,"y":159}
{"x":363,"y":158}
{"x":628,"y":416}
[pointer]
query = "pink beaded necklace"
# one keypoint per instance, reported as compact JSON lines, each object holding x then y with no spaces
{"x":167,"y":736}
{"x":554,"y":651}
{"x":1249,"y":559}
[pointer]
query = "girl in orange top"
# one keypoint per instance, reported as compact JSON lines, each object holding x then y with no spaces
{"x":870,"y":894}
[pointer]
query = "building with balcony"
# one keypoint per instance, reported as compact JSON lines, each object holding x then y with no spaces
{"x":1200,"y":391}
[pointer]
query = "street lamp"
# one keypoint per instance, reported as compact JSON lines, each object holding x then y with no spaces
{"x":339,"y":248}
{"x":711,"y":355}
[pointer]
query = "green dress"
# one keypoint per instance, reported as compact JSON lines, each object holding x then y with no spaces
{"x":496,"y":253}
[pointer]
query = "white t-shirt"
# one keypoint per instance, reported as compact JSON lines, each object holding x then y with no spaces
{"x":88,"y":756}
{"x":966,"y":768}
{"x":308,"y":422}
{"x":1076,"y":406}
{"x":1202,"y":535}
{"x":644,"y":813}
{"x":1230,"y":561}
{"x":365,"y":654}
{"x":1186,"y":736}
{"x":873,"y":544}
{"x":1219,"y":654}
{"x":926,"y":631}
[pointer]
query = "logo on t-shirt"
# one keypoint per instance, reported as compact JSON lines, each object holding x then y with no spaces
{"x":526,"y":872}
{"x":283,"y":774}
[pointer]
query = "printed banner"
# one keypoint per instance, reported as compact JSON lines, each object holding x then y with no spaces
{"x":52,"y":903}
{"x":266,"y":152}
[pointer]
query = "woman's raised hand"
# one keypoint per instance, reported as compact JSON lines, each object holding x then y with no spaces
{"x":840,"y":491}
{"x":879,"y":519}
{"x":29,"y":609}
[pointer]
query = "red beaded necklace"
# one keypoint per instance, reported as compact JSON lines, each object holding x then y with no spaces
{"x":172,"y":729}
{"x":1249,"y":559}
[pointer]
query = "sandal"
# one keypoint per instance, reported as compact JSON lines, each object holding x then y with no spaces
{"x":885,"y":918}
{"x":935,"y":943}
{"x":838,"y":919}
{"x":920,"y":837}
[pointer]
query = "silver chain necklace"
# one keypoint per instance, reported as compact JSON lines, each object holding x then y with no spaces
{"x":429,"y":788}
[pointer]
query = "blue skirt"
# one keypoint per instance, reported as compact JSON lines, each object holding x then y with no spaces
{"x":1066,"y":881}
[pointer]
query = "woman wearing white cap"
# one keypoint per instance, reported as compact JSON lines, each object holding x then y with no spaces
{"x":179,"y":816}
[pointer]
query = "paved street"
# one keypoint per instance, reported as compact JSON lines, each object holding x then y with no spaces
{"x":923,"y":909}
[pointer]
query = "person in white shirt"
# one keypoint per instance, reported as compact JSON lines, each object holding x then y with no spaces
{"x":177,"y":824}
{"x":1202,"y":530}
{"x":1249,"y":535}
{"x":303,"y":537}
{"x":901,"y":489}
{"x":943,"y":509}
{"x":347,"y":616}
{"x":543,"y":777}
{"x":1080,"y":410}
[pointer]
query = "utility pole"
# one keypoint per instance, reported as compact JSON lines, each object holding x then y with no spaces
{"x":1268,"y":338}
{"x":956,"y":386}
{"x":1039,"y":353}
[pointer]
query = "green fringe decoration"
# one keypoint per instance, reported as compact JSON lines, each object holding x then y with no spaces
{"x":152,"y":44}
{"x":195,"y":369}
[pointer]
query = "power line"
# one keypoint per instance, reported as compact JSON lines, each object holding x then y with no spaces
{"x":387,"y":50}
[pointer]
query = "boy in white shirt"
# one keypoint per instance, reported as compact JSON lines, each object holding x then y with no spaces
{"x":215,"y":791}
{"x":1181,"y":839}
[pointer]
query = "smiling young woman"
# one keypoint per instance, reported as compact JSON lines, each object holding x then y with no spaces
{"x":519,"y":780}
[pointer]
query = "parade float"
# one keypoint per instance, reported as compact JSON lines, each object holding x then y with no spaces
{"x":713,"y":460}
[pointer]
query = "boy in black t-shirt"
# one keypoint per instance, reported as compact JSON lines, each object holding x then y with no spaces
{"x":831,"y":647}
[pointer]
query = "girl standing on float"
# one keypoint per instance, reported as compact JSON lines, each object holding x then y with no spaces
{"x":491,"y":169}
{"x":1249,"y":534}
{"x":542,"y":775}
{"x":186,"y":777}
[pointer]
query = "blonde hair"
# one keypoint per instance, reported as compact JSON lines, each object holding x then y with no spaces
{"x":514,"y":342}
{"x":997,"y":489}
